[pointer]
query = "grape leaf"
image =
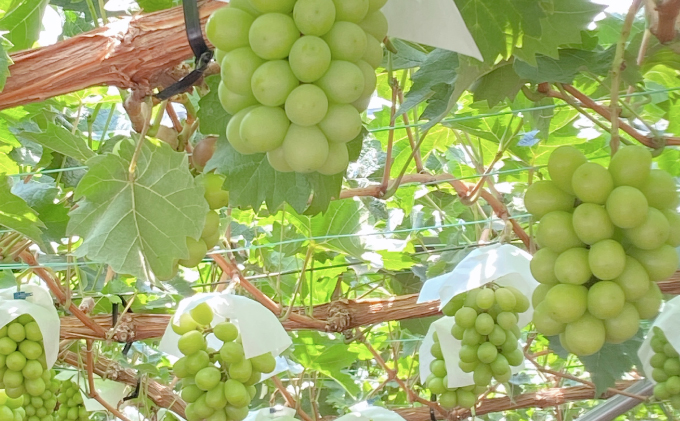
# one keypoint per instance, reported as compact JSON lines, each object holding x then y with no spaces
{"x":23,"y":22}
{"x":16,"y":215}
{"x":495,"y":86}
{"x":61,"y":140}
{"x":252,"y":181}
{"x":439,"y":68}
{"x":613,"y":361}
{"x":40,"y":195}
{"x":565,"y":68}
{"x":5,"y":61}
{"x":149,"y":217}
{"x":341,"y":221}
{"x":212,"y":116}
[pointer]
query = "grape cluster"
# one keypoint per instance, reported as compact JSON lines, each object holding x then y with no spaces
{"x":218,"y":385}
{"x":42,"y":407}
{"x":486,"y":324}
{"x":666,"y":365}
{"x":296,"y":74}
{"x":606,"y":237}
{"x":71,"y":407}
{"x":217,"y":198}
{"x":11,"y":409}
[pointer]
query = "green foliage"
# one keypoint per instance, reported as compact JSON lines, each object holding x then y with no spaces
{"x":22,"y":21}
{"x":16,"y":215}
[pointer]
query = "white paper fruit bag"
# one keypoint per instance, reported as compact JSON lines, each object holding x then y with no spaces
{"x":667,"y":321}
{"x":109,"y":390}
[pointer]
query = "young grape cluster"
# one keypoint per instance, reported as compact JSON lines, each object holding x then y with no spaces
{"x":486,"y":324}
{"x":296,"y":74}
{"x":217,"y":198}
{"x":42,"y":407}
{"x":218,"y":385}
{"x":11,"y":409}
{"x":606,"y":237}
{"x":666,"y":365}
{"x":71,"y":405}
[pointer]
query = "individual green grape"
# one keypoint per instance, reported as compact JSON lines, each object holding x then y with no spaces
{"x":370,"y":83}
{"x":556,"y":232}
{"x":16,"y":332}
{"x":226,"y":331}
{"x":272,"y":36}
{"x":343,"y":82}
{"x":236,"y":393}
{"x":660,"y":391}
{"x":471,"y":336}
{"x":215,"y":397}
{"x":212,"y":224}
{"x":482,"y":375}
{"x":202,"y":314}
{"x":238,"y":67}
{"x":197,"y":251}
{"x":630,"y":166}
{"x":466,"y":399}
{"x":233,"y":132}
{"x":448,"y":399}
{"x":624,"y":326}
{"x":305,"y":148}
{"x":457,"y":332}
{"x":506,"y":320}
{"x":672,"y":367}
{"x":228,"y":28}
{"x":627,"y":207}
{"x":306,"y":105}
{"x":351,"y":10}
{"x":506,"y":299}
{"x":246,"y":6}
{"x":342,"y":123}
{"x":652,"y":233}
{"x":469,"y":353}
{"x":191,"y":342}
{"x":485,"y":298}
{"x":265,"y":363}
{"x":31,"y":350}
{"x":649,"y":304}
{"x":673,"y":385}
{"x":605,"y":300}
{"x":337,"y":161}
{"x":592,"y":183}
{"x":543,"y":197}
{"x":467,"y":367}
{"x":466,"y":317}
{"x":277,"y":160}
{"x":660,"y":190}
{"x":572,"y":267}
{"x":314,"y":17}
{"x":273,"y":6}
{"x":241,"y":370}
{"x":674,"y":223}
{"x":452,"y":306}
{"x":272,"y":82}
{"x":669,"y":351}
{"x":214,"y":195}
{"x":232,"y":352}
{"x":658,"y":360}
{"x":233,"y":102}
{"x":542,"y":266}
{"x":438,"y":368}
{"x":374,"y":52}
{"x":346,"y":40}
{"x":607,"y":259}
{"x":566,"y":303}
{"x":375,"y":24}
{"x":487,"y":352}
{"x":660,"y":263}
{"x":544,"y":323}
{"x":436,"y":351}
{"x":471,"y":299}
{"x":484,"y":324}
{"x":310,"y":58}
{"x":634,"y":280}
{"x":586,"y":335}
{"x":562,"y":164}
{"x":264,"y":128}
{"x":515,"y":358}
{"x":375,"y":5}
{"x":592,"y":223}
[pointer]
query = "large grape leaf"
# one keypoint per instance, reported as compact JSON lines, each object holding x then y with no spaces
{"x":23,"y":22}
{"x":252,"y":181}
{"x":148,"y":217}
{"x":339,"y":225}
{"x":61,"y":140}
{"x":15,"y":213}
{"x":41,"y":194}
{"x":613,"y":361}
{"x":5,"y":61}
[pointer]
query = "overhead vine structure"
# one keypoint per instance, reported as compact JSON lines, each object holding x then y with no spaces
{"x":122,"y":204}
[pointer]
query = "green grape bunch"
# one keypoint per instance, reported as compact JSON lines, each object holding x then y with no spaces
{"x":486,"y":324}
{"x":218,"y":385}
{"x":666,"y":368}
{"x":11,"y":409}
{"x":607,"y":236}
{"x":42,"y":407}
{"x":71,"y":407}
{"x":296,"y":75}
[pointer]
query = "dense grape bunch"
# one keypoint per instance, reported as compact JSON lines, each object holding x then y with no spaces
{"x":218,"y":385}
{"x":486,"y":324}
{"x":11,"y":409}
{"x":71,"y":407}
{"x":42,"y":407}
{"x":606,"y":237}
{"x":666,"y":368}
{"x":296,"y":75}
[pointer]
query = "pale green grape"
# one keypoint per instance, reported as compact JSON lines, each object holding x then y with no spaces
{"x":630,"y":166}
{"x":272,"y":35}
{"x":197,"y":251}
{"x":649,"y":304}
{"x":273,"y":82}
{"x":273,"y":6}
{"x":237,"y":69}
{"x":660,"y":190}
{"x":592,"y":183}
{"x":660,"y":263}
{"x":627,"y":207}
{"x":562,"y":164}
{"x":306,"y":105}
{"x":572,"y":267}
{"x":310,"y":58}
{"x":314,"y":17}
{"x":465,"y":317}
{"x":634,"y":280}
{"x":305,"y":148}
{"x":375,"y":24}
{"x":228,"y":28}
{"x":277,"y":160}
{"x":246,"y":6}
{"x":556,"y":232}
{"x":624,"y":326}
{"x":592,"y":223}
{"x":375,"y":5}
{"x":202,"y":314}
{"x":351,"y":10}
{"x":212,"y":224}
{"x":448,"y":399}
{"x":674,"y":222}
{"x":264,"y":128}
{"x":545,"y":324}
{"x":484,"y":324}
{"x":607,"y":259}
{"x":370,"y":79}
{"x":605,"y":300}
{"x":485,"y":298}
{"x":234,"y":132}
{"x":586,"y":335}
{"x":343,"y":82}
{"x":342,"y":123}
{"x":346,"y":40}
{"x":219,"y":55}
{"x":233,"y":102}
{"x":652,"y":233}
{"x":236,"y":393}
{"x":191,"y":342}
{"x":337,"y":161}
{"x":374,"y":52}
{"x":506,"y":299}
{"x":543,"y":266}
{"x":487,"y":352}
{"x":264,"y":363}
{"x":566,"y":303}
{"x":544,"y":196}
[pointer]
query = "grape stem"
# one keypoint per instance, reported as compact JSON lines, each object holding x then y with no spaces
{"x":390,"y":137}
{"x":290,"y":400}
{"x":93,"y":391}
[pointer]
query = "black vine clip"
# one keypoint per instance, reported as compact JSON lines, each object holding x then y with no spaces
{"x":201,"y":51}
{"x":433,"y":398}
{"x":135,"y":393}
